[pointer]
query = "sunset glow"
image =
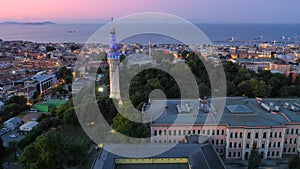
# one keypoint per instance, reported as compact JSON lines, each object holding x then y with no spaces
{"x":205,"y":10}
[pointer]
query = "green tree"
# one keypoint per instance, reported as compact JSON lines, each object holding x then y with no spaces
{"x":13,"y":146}
{"x":28,"y":158}
{"x":290,"y":91}
{"x":20,"y":100}
{"x":107,"y":108}
{"x":254,"y":88}
{"x":50,"y":48}
{"x":63,"y":72}
{"x":2,"y":148}
{"x":255,"y":158}
{"x":46,"y":152}
{"x":127,"y":121}
{"x":69,"y":116}
{"x":68,"y":79}
{"x":99,"y":71}
{"x":122,"y":57}
{"x":76,"y":152}
{"x":74,"y":47}
{"x":29,"y":138}
{"x":14,"y":106}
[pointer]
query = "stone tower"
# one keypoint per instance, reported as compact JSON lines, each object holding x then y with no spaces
{"x":113,"y":58}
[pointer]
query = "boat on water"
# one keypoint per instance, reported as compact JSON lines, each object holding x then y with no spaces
{"x":71,"y":31}
{"x":231,"y":39}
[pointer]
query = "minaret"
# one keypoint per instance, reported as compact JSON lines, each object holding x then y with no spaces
{"x":150,"y":46}
{"x":113,"y":58}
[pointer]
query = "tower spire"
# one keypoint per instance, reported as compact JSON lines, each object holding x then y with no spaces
{"x":113,"y":58}
{"x":150,"y":46}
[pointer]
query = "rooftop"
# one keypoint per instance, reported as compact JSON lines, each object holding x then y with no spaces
{"x":241,"y":109}
{"x":199,"y":156}
{"x":13,"y":120}
{"x":29,"y":124}
{"x":43,"y":77}
{"x":238,"y":111}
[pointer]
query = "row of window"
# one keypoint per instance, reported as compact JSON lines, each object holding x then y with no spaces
{"x":290,"y":141}
{"x":270,"y":154}
{"x":275,"y":135}
{"x":185,"y":132}
{"x":235,"y":145}
{"x":274,"y":144}
{"x":166,"y":141}
{"x":220,"y":151}
{"x":289,"y":150}
{"x":236,"y":134}
{"x":217,"y":142}
{"x":273,"y":154}
{"x":234,"y":154}
{"x":291,"y":131}
{"x":222,"y":132}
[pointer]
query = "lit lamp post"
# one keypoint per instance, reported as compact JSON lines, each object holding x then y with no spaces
{"x":101,"y":89}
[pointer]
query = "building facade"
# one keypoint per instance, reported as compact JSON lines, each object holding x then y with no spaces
{"x":282,"y":67}
{"x":270,"y":124}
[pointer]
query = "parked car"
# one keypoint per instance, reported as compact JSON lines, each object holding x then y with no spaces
{"x":13,"y":136}
{"x":5,"y":129}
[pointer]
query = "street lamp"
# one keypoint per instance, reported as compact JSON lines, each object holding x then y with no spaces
{"x":101,"y":89}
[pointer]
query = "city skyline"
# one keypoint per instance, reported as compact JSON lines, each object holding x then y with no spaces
{"x":91,"y":11}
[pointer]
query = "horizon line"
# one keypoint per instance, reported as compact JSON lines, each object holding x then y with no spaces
{"x":103,"y":22}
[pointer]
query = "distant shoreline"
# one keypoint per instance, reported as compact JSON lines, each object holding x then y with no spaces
{"x":229,"y":34}
{"x":27,"y":23}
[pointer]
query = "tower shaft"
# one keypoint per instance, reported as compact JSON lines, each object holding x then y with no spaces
{"x":113,"y":58}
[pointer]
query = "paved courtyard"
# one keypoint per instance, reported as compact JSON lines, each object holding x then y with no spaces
{"x":6,"y":137}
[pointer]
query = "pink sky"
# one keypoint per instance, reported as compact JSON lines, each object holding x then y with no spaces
{"x":32,"y":9}
{"x":205,"y":10}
